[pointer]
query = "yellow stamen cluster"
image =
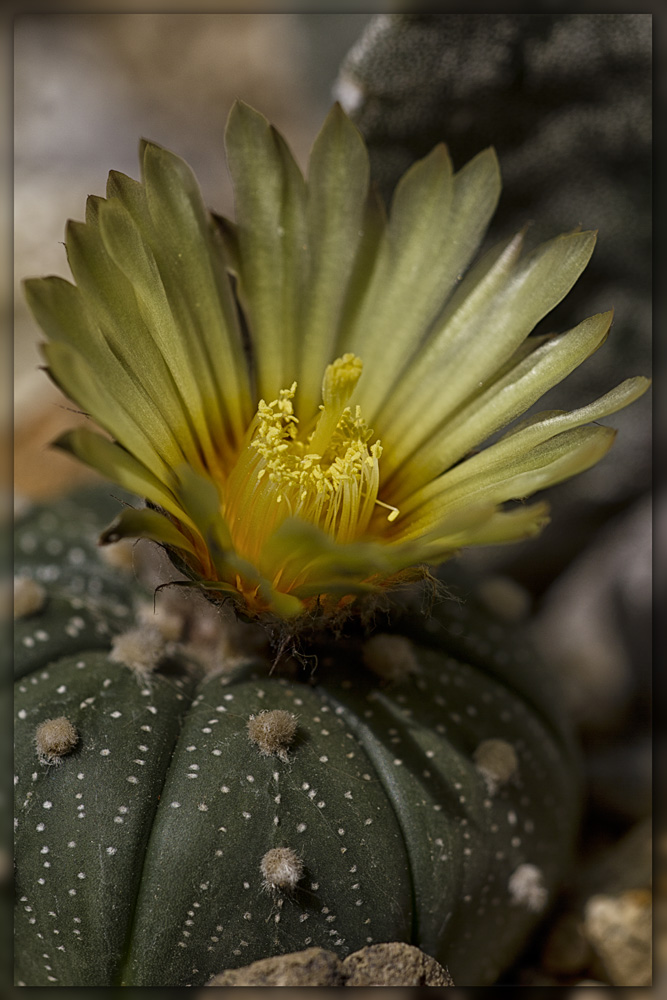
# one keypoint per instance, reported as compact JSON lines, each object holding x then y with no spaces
{"x":329,"y":478}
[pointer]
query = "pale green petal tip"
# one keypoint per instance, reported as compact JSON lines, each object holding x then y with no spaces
{"x":241,"y":120}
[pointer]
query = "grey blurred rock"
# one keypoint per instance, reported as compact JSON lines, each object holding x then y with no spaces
{"x":595,"y":625}
{"x":566,"y":101}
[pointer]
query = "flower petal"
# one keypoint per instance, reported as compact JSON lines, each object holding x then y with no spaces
{"x":435,"y":225}
{"x":525,"y":444}
{"x":113,"y":461}
{"x":189,"y":253}
{"x":338,"y":174}
{"x":304,"y":556}
{"x":523,"y":473}
{"x":60,"y":310}
{"x":146,"y":523}
{"x":474,"y":343}
{"x":269,"y":193}
{"x":183,"y":355}
{"x":501,"y":400}
{"x":501,"y":527}
{"x":111,"y":310}
{"x":87,"y":386}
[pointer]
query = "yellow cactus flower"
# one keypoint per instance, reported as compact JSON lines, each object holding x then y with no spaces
{"x":297,"y":394}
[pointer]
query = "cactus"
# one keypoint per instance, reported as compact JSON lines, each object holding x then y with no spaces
{"x":67,"y":598}
{"x":416,"y":784}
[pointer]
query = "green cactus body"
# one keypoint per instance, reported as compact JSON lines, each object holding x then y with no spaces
{"x":141,"y":856}
{"x":86,"y":601}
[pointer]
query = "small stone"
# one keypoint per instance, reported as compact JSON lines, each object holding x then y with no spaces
{"x":390,"y":657}
{"x":273,"y":731}
{"x":312,"y":967}
{"x":394,"y":964}
{"x":619,"y":929}
{"x":497,"y":762}
{"x":281,"y":868}
{"x":29,"y":596}
{"x":54,"y":738}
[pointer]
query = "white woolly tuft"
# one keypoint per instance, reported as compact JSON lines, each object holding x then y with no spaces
{"x":497,"y":762}
{"x":526,"y":888}
{"x":281,"y":868}
{"x":140,"y":649}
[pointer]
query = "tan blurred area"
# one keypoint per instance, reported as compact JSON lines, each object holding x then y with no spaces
{"x":87,"y":87}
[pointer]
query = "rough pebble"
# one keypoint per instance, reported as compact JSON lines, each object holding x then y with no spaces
{"x":391,"y":964}
{"x":619,"y":930}
{"x":394,"y":964}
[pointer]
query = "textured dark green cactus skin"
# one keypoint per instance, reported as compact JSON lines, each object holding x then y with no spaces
{"x":380,"y":797}
{"x":87,"y":600}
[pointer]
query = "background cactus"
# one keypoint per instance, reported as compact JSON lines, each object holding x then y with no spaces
{"x":427,"y":794}
{"x":67,"y":597}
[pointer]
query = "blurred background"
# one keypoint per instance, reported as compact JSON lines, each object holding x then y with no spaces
{"x":566,"y":101}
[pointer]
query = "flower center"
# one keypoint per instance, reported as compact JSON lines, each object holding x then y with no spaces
{"x":329,"y":477}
